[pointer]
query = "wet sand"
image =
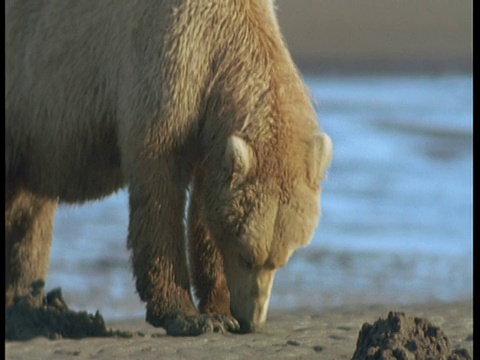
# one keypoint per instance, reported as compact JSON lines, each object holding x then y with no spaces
{"x":306,"y":334}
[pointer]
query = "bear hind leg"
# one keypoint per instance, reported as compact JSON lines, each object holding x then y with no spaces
{"x":28,"y":239}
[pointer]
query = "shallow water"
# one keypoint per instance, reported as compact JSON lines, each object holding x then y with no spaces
{"x":397,"y":207}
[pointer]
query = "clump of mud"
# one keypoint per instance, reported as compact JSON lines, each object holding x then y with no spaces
{"x":401,"y":337}
{"x":54,"y":320}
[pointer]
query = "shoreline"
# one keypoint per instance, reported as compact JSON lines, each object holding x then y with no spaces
{"x":380,"y":67}
{"x":306,"y":333}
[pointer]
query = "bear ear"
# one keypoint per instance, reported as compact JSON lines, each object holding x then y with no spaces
{"x":323,"y":153}
{"x":238,"y":158}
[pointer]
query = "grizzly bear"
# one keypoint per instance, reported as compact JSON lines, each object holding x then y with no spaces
{"x":164,"y":97}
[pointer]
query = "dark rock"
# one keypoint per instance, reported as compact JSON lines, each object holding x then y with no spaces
{"x":401,"y":337}
{"x":53,"y":320}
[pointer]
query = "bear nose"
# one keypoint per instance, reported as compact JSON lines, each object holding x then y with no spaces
{"x":249,"y":327}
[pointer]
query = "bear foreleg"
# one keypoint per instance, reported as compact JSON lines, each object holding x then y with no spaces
{"x":206,"y":267}
{"x":206,"y":263}
{"x":157,"y":240}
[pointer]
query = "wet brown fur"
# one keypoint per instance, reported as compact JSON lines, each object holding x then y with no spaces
{"x":103,"y":94}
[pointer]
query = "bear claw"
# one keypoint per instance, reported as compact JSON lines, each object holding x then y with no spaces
{"x":201,"y":324}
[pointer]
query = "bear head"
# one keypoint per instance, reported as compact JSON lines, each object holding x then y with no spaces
{"x":261,"y":209}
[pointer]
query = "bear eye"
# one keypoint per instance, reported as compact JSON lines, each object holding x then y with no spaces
{"x":248,"y":261}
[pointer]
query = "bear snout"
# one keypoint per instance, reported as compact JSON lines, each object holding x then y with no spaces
{"x":249,"y":327}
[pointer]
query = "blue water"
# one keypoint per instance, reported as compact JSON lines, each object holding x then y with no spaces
{"x":397,"y":207}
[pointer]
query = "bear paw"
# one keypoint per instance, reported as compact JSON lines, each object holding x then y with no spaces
{"x":200,"y":324}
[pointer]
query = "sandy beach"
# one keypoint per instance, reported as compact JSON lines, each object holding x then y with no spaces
{"x":301,"y":334}
{"x":323,"y":36}
{"x":378,"y":35}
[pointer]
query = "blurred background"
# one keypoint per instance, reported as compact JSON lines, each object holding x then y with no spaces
{"x":392,"y":83}
{"x":347,"y":36}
